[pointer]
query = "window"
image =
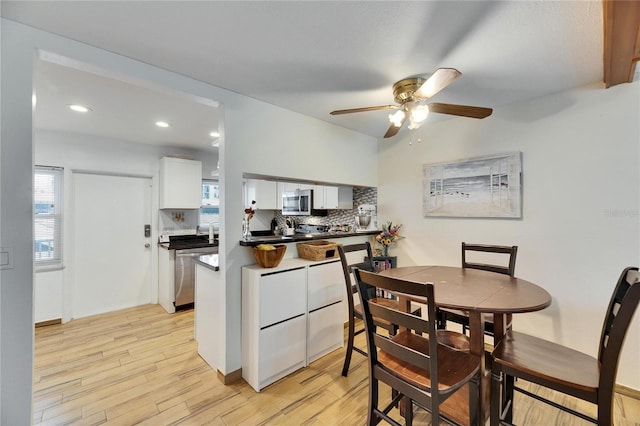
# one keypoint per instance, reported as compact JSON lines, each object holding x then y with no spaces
{"x":209,"y":212}
{"x":47,"y":197}
{"x":210,"y":193}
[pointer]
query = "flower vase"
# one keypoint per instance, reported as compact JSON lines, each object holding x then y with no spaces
{"x":385,"y":250}
{"x":246,"y":232}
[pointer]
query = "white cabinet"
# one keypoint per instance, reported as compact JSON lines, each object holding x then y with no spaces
{"x":332,"y":197}
{"x":325,"y":284}
{"x":207,"y":315}
{"x":292,"y":186}
{"x":291,"y":316}
{"x":282,"y":350}
{"x":325,"y":197}
{"x":180,"y":183}
{"x":325,"y":333}
{"x":264,"y":192}
{"x":325,"y":290}
{"x":345,"y":197}
{"x":281,"y":295}
{"x":274,"y":321}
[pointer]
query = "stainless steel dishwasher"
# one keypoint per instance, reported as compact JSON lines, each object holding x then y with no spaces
{"x":185,"y":275}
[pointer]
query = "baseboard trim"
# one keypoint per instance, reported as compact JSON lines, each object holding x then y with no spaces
{"x":232,"y":377}
{"x":49,"y":322}
{"x":626,"y":391}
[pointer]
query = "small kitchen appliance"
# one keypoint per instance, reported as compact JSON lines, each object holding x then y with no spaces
{"x":297,"y":203}
{"x":366,"y":219}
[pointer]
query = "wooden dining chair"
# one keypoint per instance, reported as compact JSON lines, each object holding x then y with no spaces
{"x":508,"y":267}
{"x":355,"y":310}
{"x":421,"y":370}
{"x":565,"y":370}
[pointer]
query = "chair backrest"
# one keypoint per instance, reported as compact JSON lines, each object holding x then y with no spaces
{"x":623,"y":304}
{"x":417,"y":326}
{"x":366,"y":264}
{"x":511,"y":251}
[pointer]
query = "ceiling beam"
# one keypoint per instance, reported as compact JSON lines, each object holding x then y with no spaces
{"x":621,"y":40}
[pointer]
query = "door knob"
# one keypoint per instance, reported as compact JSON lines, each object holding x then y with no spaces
{"x":147,"y":245}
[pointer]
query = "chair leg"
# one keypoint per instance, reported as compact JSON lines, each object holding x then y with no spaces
{"x":508,"y":397}
{"x":474,"y":401}
{"x":496,"y":395}
{"x":408,"y":411}
{"x":605,"y":414}
{"x":349,"y":351}
{"x":372,"y":418}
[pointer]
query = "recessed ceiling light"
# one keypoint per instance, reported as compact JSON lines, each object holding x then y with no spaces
{"x":78,"y":108}
{"x":215,"y":144}
{"x":214,"y":134}
{"x":162,"y":124}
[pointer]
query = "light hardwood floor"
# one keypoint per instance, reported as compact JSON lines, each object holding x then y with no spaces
{"x":140,"y":366}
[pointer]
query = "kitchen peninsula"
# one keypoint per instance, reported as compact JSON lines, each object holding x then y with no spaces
{"x":300,"y":237}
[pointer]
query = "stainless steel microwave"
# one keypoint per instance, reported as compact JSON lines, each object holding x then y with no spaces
{"x":297,"y":203}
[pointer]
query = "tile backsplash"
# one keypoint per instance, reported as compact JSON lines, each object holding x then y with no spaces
{"x":337,"y":217}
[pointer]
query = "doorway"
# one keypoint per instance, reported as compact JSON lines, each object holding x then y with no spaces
{"x":112,"y":252}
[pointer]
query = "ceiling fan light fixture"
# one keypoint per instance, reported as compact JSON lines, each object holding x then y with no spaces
{"x":397,"y":118}
{"x":417,"y":114}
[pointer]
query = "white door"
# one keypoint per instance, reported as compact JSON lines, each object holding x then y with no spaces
{"x":111,"y":255}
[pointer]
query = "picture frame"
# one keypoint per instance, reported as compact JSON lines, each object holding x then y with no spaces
{"x":479,"y":187}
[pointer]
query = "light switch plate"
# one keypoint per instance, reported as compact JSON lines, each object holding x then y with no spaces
{"x":6,"y":258}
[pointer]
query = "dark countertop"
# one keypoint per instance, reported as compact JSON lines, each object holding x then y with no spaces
{"x":187,"y":246}
{"x":185,"y":242}
{"x":296,"y":238}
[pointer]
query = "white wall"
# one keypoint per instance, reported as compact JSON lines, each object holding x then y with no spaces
{"x":255,"y":138}
{"x":94,"y":154}
{"x":581,"y":188}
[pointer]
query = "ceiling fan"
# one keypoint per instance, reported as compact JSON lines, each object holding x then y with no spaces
{"x":411,"y":93}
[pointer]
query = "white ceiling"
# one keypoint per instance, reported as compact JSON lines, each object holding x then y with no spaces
{"x":120,"y":110}
{"x":314,"y":57}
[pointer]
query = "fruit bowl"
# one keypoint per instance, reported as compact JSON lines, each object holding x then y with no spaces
{"x":270,"y":258}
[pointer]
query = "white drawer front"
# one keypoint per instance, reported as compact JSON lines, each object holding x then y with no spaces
{"x":325,"y":284}
{"x":282,"y":296}
{"x":282,"y":349}
{"x":326,"y":331}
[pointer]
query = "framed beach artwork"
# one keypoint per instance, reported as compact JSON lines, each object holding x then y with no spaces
{"x":483,"y":187}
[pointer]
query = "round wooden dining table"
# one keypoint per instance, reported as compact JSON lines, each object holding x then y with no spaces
{"x":477,"y":292}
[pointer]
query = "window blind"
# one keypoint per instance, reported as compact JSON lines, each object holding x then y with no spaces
{"x":47,"y":197}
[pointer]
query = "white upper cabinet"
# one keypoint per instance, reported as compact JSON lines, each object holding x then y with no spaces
{"x":264,"y":192}
{"x":332,"y":197}
{"x":325,"y":197}
{"x":180,"y":183}
{"x":345,"y":197}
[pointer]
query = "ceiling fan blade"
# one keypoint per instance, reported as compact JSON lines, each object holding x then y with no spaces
{"x":438,"y":81}
{"x":373,"y":108}
{"x":461,"y":110}
{"x":393,"y":129}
